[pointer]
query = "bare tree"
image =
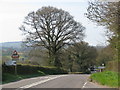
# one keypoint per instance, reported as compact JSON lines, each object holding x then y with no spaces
{"x":51,"y":28}
{"x":105,"y":14}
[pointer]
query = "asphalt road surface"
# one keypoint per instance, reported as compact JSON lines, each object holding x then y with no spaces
{"x":55,"y":81}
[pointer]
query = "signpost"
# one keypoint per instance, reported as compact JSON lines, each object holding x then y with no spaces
{"x":15,"y":57}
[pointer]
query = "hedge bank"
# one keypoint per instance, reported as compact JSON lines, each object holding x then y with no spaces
{"x":32,"y":69}
{"x":28,"y":71}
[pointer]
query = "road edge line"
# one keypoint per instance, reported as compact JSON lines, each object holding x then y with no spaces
{"x":84,"y":85}
{"x":40,"y":82}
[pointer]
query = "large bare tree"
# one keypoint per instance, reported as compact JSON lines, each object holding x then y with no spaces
{"x":51,"y":28}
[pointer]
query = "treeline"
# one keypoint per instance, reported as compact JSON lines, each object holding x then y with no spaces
{"x":77,"y":57}
{"x":107,"y":14}
{"x":74,"y":58}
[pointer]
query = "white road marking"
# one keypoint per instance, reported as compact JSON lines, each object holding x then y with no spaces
{"x":84,"y":85}
{"x":40,"y":82}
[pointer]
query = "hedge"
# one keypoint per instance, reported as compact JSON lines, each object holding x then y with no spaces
{"x":32,"y":69}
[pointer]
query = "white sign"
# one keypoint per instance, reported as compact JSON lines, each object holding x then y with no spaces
{"x":10,"y":62}
{"x":101,"y":67}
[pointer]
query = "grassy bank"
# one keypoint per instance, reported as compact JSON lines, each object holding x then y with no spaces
{"x":28,"y":71}
{"x":107,"y":78}
{"x":12,"y":77}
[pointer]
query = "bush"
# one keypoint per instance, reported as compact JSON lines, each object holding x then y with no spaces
{"x":87,"y":72}
{"x":8,"y":69}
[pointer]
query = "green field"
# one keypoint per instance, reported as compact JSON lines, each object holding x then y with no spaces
{"x":107,"y":78}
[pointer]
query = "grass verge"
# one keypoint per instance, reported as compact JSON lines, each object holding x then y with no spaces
{"x":28,"y":71}
{"x":107,"y":78}
{"x":7,"y":77}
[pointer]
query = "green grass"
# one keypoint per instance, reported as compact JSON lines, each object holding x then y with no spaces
{"x":7,"y":77}
{"x":107,"y":78}
{"x":28,"y":71}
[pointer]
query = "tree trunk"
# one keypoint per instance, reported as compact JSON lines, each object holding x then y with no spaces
{"x":54,"y":59}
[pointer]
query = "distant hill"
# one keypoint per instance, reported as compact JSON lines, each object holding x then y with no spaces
{"x":17,"y":44}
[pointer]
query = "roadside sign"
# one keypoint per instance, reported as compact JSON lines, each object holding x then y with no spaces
{"x":15,"y":55}
{"x":10,"y":62}
{"x":101,"y":67}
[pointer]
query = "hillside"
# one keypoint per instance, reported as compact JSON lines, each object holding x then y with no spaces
{"x":17,"y":44}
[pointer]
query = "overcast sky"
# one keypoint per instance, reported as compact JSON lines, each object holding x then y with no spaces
{"x":12,"y":13}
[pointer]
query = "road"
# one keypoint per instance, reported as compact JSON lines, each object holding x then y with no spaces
{"x":54,"y":81}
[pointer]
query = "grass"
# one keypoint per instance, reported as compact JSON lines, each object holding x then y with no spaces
{"x":28,"y":71}
{"x":7,"y":77}
{"x":107,"y":78}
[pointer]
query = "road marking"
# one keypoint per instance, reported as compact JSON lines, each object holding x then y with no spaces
{"x":84,"y":85}
{"x":40,"y":82}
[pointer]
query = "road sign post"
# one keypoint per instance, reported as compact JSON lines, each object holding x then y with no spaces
{"x":15,"y":69}
{"x":15,"y":56}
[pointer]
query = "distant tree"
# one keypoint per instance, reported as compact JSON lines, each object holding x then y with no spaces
{"x":5,"y":58}
{"x":81,"y":56}
{"x":51,"y":28}
{"x":85,"y":55}
{"x":38,"y":56}
{"x":104,"y":55}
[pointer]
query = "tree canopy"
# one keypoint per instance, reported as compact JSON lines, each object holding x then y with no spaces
{"x":107,"y":14}
{"x":51,"y":28}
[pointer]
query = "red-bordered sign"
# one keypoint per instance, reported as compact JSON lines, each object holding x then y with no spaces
{"x":15,"y":54}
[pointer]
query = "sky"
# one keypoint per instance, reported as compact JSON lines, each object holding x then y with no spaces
{"x":12,"y":13}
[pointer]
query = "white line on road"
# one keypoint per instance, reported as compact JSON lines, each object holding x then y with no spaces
{"x":84,"y":85}
{"x":43,"y":81}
